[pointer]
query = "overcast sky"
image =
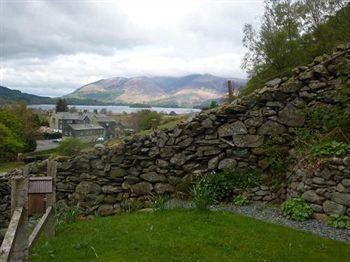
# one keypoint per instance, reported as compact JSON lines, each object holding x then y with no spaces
{"x":53,"y":47}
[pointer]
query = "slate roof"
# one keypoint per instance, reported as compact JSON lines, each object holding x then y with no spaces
{"x":77,"y":116}
{"x":85,"y":126}
{"x":68,"y":115}
{"x":100,"y":118}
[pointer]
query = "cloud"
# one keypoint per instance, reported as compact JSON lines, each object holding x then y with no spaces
{"x":53,"y":47}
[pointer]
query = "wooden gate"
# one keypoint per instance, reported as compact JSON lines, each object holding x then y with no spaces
{"x":39,"y":189}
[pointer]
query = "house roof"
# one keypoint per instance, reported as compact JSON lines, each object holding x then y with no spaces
{"x":81,"y":116}
{"x":100,"y":118}
{"x":68,"y":115}
{"x":85,"y":126}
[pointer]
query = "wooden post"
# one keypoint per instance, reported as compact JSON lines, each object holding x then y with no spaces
{"x":19,"y":198}
{"x":51,"y":198}
{"x":230,"y":91}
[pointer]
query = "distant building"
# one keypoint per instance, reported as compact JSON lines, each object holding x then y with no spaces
{"x":86,"y":126}
{"x":89,"y":132}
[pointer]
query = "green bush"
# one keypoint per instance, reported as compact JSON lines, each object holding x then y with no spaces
{"x":145,"y":119}
{"x":214,"y":104}
{"x":70,"y":146}
{"x":330,"y":148}
{"x":202,"y":196}
{"x":67,"y":214}
{"x":338,"y":221}
{"x":132,"y":206}
{"x":244,"y":179}
{"x":241,"y":200}
{"x":159,"y":203}
{"x":296,"y":209}
{"x":217,"y":187}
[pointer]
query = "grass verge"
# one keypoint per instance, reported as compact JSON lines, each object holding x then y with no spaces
{"x":185,"y":235}
{"x":6,"y":166}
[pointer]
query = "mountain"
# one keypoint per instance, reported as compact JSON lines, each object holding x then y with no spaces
{"x":186,"y":91}
{"x":16,"y":95}
{"x":8,"y":94}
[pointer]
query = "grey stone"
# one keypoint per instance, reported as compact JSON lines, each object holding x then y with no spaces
{"x":312,"y":197}
{"x":97,"y":164}
{"x":271,"y":128}
{"x":117,"y":172}
{"x":261,"y":193}
{"x":318,"y":180}
{"x":178,"y":159}
{"x":153,"y":177}
{"x":346,"y":161}
{"x":225,"y":130}
{"x":227,"y":163}
{"x":341,"y":198}
{"x":346,"y":182}
{"x":88,"y":188}
{"x":111,"y":189}
{"x":253,"y":122}
{"x":207,"y":123}
{"x":291,"y":116}
{"x":110,"y":199}
{"x":316,"y":208}
{"x":213,"y":163}
{"x":132,"y":179}
{"x":274,"y":82}
{"x":248,"y":140}
{"x":105,"y":210}
{"x":238,"y":128}
{"x":161,"y":188}
{"x":187,"y":142}
{"x":333,"y":208}
{"x":290,"y":86}
{"x":142,"y":188}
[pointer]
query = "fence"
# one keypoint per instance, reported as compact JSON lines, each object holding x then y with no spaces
{"x":17,"y":241}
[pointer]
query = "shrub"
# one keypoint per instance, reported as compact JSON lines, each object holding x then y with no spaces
{"x":145,"y":119}
{"x":132,"y":206}
{"x":338,"y":221}
{"x":67,"y":214}
{"x":217,"y":187}
{"x":244,"y":179}
{"x":202,"y":196}
{"x":70,"y":146}
{"x":330,"y":148}
{"x":214,"y":104}
{"x":159,"y":203}
{"x":297,"y":209}
{"x":241,"y":200}
{"x":30,"y":144}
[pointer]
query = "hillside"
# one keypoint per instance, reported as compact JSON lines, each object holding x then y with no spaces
{"x":8,"y":94}
{"x":16,"y":95}
{"x":190,"y":90}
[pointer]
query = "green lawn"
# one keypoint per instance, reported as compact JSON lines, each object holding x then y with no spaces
{"x":6,"y":166}
{"x":185,"y":235}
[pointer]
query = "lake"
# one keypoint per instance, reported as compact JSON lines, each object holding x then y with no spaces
{"x":121,"y":109}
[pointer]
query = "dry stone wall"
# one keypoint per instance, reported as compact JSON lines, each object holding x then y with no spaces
{"x":234,"y":136}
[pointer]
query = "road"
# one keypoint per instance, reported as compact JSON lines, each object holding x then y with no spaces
{"x":42,"y":145}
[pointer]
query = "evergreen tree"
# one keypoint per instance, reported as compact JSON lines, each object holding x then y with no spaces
{"x":61,"y":105}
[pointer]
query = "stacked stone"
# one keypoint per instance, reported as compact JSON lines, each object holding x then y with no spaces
{"x":5,"y":203}
{"x":327,"y":189}
{"x":233,"y":136}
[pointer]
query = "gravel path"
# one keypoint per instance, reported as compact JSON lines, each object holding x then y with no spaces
{"x":274,"y":215}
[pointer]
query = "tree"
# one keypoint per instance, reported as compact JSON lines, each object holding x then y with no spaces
{"x":10,"y":144}
{"x":70,"y":146}
{"x":214,"y":104}
{"x":61,"y":105}
{"x":292,"y":33}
